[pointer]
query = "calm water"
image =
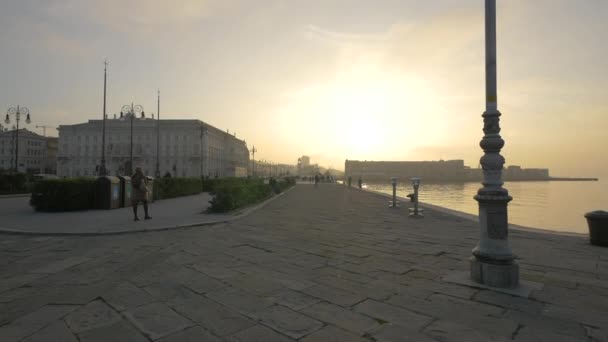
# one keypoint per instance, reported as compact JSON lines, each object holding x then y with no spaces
{"x":547,"y":205}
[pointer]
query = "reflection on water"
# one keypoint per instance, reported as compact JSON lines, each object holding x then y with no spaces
{"x":547,"y":205}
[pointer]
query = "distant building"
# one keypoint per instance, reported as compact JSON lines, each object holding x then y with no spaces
{"x":383,"y":170}
{"x":305,"y":168}
{"x":185,"y":150}
{"x":33,"y":151}
{"x":515,"y":173}
{"x":448,"y":170}
{"x":50,"y":165}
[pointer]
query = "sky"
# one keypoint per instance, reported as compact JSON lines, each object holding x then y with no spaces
{"x":332,"y":79}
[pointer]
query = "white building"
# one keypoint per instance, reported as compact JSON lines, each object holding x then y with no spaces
{"x":188,"y":148}
{"x":32,"y":151}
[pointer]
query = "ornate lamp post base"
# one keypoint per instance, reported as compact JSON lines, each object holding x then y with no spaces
{"x":495,"y":274}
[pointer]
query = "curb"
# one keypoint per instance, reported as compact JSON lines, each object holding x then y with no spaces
{"x":237,"y":215}
{"x":15,"y":195}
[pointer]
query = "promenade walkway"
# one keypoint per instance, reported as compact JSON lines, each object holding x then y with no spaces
{"x":322,"y":263}
{"x":18,"y":216}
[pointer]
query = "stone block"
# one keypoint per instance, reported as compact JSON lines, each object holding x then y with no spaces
{"x":217,"y":318}
{"x":126,"y":295}
{"x":447,"y":331}
{"x":330,"y":333}
{"x":93,"y":315}
{"x":32,"y":322}
{"x":390,"y":332}
{"x":193,"y":334}
{"x":288,"y":322}
{"x":258,"y":333}
{"x":157,"y":320}
{"x":118,"y":332}
{"x":333,"y":295}
{"x":292,"y":299}
{"x":388,"y":313}
{"x":346,"y":319}
{"x":57,"y":331}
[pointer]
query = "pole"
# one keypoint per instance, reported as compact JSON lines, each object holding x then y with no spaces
{"x":131,"y":154}
{"x":17,"y":142}
{"x":102,"y":170}
{"x":493,"y":263}
{"x":158,"y":135}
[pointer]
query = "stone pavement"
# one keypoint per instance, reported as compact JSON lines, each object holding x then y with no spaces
{"x":18,"y":216}
{"x":320,"y":263}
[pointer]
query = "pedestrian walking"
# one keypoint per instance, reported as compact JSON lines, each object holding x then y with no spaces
{"x":140,"y":193}
{"x":360,"y":183}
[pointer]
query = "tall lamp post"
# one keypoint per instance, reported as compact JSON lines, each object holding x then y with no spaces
{"x":157,"y":173}
{"x":493,"y":263}
{"x":202,"y":154}
{"x":253,"y":151}
{"x":131,"y":111}
{"x":17,"y":112}
{"x":102,"y":167}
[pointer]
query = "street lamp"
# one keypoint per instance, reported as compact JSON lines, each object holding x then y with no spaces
{"x":157,"y":173}
{"x":253,"y":151}
{"x":131,"y":111}
{"x":493,"y":263}
{"x":204,"y":133}
{"x":102,"y":169}
{"x":17,"y":112}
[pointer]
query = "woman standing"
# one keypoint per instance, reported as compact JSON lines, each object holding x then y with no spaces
{"x":140,"y":192}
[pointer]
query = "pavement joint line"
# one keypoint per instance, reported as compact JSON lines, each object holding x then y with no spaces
{"x":238,"y":214}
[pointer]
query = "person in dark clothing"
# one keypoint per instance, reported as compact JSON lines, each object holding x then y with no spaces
{"x":140,"y":193}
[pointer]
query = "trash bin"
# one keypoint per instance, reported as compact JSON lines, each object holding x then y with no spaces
{"x":151,"y":188}
{"x":598,"y":227}
{"x":125,"y":191}
{"x":107,"y":193}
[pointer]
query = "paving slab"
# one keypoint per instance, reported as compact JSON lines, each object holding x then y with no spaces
{"x":56,"y":331}
{"x":258,"y":333}
{"x":157,"y":320}
{"x":93,"y":315}
{"x":31,"y":323}
{"x":288,"y":322}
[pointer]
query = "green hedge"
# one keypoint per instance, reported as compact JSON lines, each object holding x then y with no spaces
{"x":63,"y":194}
{"x":14,"y":183}
{"x":171,"y":187}
{"x":233,"y":193}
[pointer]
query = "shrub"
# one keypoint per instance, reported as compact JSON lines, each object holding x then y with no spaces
{"x":14,"y":183}
{"x":171,"y":187}
{"x":234,"y":193}
{"x":63,"y":194}
{"x":231,"y":194}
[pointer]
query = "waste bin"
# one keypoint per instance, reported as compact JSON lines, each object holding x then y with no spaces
{"x":107,"y":193}
{"x":598,"y":227}
{"x":151,"y":188}
{"x":125,"y":191}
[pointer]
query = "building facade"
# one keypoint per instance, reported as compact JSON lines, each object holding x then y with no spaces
{"x":187,"y":148}
{"x":33,"y":151}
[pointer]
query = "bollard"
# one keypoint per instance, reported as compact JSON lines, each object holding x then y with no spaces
{"x":415,"y":212}
{"x":394,"y":203}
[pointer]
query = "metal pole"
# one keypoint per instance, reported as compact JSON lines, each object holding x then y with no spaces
{"x":17,"y":142}
{"x":131,"y":155}
{"x":102,"y":171}
{"x":158,"y":136}
{"x":493,"y":263}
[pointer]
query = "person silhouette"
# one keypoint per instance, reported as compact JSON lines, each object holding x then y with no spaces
{"x":140,"y":193}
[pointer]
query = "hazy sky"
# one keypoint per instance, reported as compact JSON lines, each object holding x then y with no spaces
{"x":381,"y":80}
